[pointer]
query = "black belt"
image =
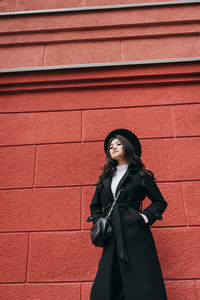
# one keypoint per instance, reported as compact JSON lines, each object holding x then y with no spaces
{"x":116,"y":222}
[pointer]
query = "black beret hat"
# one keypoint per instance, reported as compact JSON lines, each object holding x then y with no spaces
{"x":129,"y":135}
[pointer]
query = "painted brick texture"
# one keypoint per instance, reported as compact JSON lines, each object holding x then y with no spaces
{"x":51,"y":152}
{"x":48,"y":182}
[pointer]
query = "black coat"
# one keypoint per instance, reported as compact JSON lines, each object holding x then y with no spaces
{"x":129,"y":267}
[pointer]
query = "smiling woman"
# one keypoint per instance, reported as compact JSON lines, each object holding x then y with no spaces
{"x":117,"y":151}
{"x":129,"y":267}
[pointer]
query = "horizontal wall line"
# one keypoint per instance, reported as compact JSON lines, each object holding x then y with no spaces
{"x":86,"y":185}
{"x":88,"y":230}
{"x":89,"y":185}
{"x":27,"y":42}
{"x":99,"y":141}
{"x":97,"y":108}
{"x":79,"y":282}
{"x":97,"y":8}
{"x":104,"y":65}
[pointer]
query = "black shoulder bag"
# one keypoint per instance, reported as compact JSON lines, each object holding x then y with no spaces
{"x":101,"y":230}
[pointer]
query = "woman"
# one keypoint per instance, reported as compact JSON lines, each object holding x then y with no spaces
{"x":129,"y":268}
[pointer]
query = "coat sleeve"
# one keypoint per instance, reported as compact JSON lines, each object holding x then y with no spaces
{"x":96,"y":206}
{"x":158,"y":204}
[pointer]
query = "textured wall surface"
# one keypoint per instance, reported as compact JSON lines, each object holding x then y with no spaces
{"x":51,"y":153}
{"x":53,"y":124}
{"x":24,"y":5}
{"x":98,"y":36}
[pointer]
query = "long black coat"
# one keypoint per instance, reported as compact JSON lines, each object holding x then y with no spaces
{"x":129,"y":267}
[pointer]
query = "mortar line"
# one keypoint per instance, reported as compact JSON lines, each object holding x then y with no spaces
{"x":87,"y":185}
{"x":196,"y":291}
{"x":172,"y":120}
{"x":43,"y":56}
{"x":35,"y":167}
{"x":70,"y":231}
{"x":27,"y":259}
{"x":81,"y":290}
{"x":15,"y":7}
{"x":121,"y":50}
{"x":84,"y":281}
{"x":184,"y":205}
{"x":81,"y":210}
{"x":99,"y":141}
{"x":98,"y":108}
{"x":81,"y":125}
{"x":87,"y":281}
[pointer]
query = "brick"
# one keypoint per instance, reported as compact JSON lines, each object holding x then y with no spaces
{"x":17,"y":166}
{"x":160,"y":48}
{"x":87,"y":194}
{"x":172,"y":194}
{"x":168,"y":158}
{"x":21,"y":56}
{"x":46,"y":209}
{"x":82,"y":53}
{"x":7,"y":5}
{"x":44,"y":291}
{"x":59,"y":257}
{"x":132,"y":119}
{"x":191,"y":192}
{"x":69,"y":164}
{"x":180,"y":290}
{"x":13,"y":256}
{"x":86,"y":288}
{"x":47,"y":4}
{"x":46,"y":127}
{"x":99,"y":98}
{"x":159,"y":155}
{"x":177,"y":250}
{"x":186,"y":119}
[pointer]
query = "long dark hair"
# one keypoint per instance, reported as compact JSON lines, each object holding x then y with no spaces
{"x":130,"y":156}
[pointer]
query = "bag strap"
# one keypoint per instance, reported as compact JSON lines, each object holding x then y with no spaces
{"x":89,"y":219}
{"x":113,"y":204}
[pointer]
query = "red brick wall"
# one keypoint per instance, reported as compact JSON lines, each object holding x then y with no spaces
{"x":51,"y":153}
{"x":52,"y":128}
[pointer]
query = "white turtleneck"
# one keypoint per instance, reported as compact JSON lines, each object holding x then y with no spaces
{"x":119,"y":173}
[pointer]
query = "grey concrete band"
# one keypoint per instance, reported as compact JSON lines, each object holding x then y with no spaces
{"x":104,"y":65}
{"x":96,"y":8}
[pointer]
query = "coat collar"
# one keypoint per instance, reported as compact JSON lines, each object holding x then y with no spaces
{"x":107,"y":181}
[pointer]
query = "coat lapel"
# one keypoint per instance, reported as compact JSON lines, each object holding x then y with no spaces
{"x":130,"y":169}
{"x":107,"y":181}
{"x":107,"y":185}
{"x":124,"y":177}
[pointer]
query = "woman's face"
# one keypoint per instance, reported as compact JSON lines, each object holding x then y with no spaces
{"x":116,"y":150}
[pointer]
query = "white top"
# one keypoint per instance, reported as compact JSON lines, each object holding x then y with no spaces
{"x":119,"y":173}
